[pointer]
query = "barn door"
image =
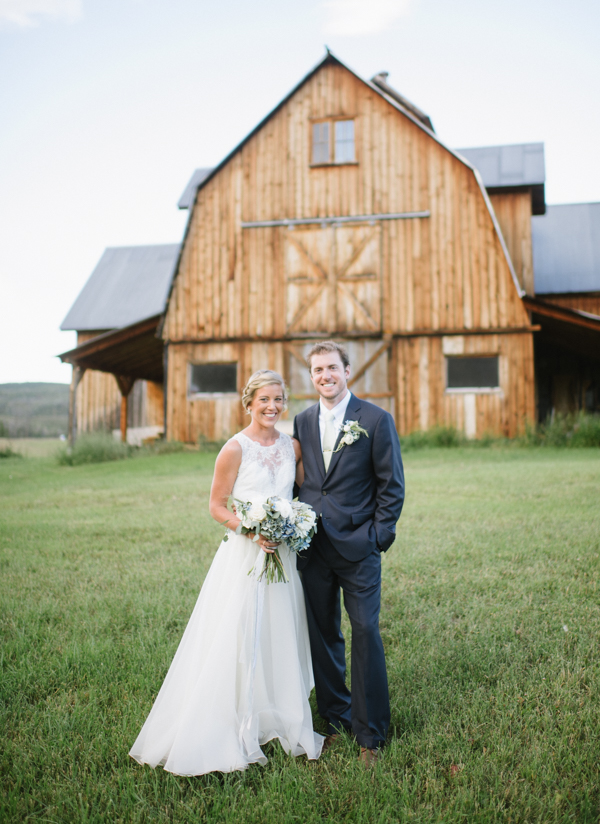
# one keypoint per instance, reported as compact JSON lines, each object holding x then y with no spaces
{"x":372,"y":373}
{"x":333,"y":279}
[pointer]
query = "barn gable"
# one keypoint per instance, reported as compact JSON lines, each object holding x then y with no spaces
{"x":454,"y":264}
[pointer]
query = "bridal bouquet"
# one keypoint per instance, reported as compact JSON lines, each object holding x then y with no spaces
{"x":280,"y":520}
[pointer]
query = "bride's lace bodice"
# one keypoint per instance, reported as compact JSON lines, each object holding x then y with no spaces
{"x":265,"y":470}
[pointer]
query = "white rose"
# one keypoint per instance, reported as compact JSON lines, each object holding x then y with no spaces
{"x":284,"y":508}
{"x":348,"y":439}
{"x":257,"y":513}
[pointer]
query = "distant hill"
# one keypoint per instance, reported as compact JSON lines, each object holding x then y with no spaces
{"x":34,"y":410}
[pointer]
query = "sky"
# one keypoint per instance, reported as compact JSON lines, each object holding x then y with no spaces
{"x":107,"y":107}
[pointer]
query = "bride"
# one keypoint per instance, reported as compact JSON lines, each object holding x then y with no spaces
{"x":242,"y":673}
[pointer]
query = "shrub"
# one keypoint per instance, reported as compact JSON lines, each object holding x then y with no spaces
{"x":209,"y":446}
{"x":8,"y":452}
{"x":96,"y":447}
{"x":579,"y":430}
{"x":586,"y":431}
{"x":445,"y":436}
{"x":161,"y":447}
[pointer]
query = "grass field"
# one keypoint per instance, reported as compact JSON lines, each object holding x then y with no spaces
{"x":490,"y":617}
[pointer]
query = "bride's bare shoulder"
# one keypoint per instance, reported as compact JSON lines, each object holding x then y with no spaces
{"x":230,"y":454}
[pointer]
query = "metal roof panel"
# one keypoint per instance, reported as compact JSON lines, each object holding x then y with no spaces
{"x":187,"y":198}
{"x":566,"y":248}
{"x":129,"y":283}
{"x":521,"y":164}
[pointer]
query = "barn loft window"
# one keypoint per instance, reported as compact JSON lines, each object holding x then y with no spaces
{"x":213,"y":378}
{"x":333,"y":142}
{"x":476,"y":374}
{"x":344,"y":141}
{"x":321,"y":142}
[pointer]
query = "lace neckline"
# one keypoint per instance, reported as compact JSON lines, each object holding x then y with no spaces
{"x":262,"y":446}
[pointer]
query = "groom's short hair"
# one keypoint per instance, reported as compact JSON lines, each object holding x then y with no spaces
{"x":324,"y":346}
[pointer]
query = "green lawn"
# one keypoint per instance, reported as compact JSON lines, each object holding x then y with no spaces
{"x":490,"y":618}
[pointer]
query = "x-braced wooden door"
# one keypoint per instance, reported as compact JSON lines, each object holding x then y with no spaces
{"x":333,"y":279}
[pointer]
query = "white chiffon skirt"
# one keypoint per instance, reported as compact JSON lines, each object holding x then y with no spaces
{"x":241,"y":676}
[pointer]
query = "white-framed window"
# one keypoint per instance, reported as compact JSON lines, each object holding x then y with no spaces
{"x":472,"y":373}
{"x":333,"y":142}
{"x":321,"y":142}
{"x":212,"y":379}
{"x":343,"y":150}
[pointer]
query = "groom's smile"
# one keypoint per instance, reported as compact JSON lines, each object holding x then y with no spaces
{"x":329,"y":377}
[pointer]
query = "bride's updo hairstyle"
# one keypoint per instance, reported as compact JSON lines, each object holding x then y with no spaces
{"x":264,"y":377}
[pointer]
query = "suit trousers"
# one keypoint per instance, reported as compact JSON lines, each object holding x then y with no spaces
{"x":366,"y":710}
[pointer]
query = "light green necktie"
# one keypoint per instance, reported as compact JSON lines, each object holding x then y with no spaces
{"x":329,"y":438}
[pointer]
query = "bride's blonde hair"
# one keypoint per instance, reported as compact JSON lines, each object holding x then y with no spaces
{"x":264,"y":377}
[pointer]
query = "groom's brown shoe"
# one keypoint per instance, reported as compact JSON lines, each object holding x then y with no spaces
{"x":369,"y":757}
{"x":330,"y":740}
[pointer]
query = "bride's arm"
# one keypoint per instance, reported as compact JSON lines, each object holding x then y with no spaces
{"x":299,"y":464}
{"x":226,"y":469}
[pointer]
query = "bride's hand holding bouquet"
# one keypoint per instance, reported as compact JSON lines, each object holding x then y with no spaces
{"x":270,"y":523}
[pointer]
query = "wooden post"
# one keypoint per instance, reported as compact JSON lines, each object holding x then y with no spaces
{"x":125,"y":384}
{"x":78,"y":372}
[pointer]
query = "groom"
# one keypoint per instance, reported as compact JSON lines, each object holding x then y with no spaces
{"x":357,"y":490}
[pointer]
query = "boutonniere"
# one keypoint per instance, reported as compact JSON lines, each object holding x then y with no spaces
{"x":351,"y":432}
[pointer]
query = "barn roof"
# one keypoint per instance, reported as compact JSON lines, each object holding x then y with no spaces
{"x":133,"y":351}
{"x":566,"y":248}
{"x":129,"y":283}
{"x":187,"y":198}
{"x":515,"y":166}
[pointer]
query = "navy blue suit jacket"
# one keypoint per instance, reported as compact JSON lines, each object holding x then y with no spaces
{"x":360,"y":497}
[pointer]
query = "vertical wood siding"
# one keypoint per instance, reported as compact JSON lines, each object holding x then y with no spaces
{"x":513,"y":211}
{"x":445,"y":271}
{"x":99,"y":400}
{"x":422,"y":400}
{"x":257,"y":289}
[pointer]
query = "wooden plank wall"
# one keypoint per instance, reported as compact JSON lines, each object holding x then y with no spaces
{"x":218,"y":417}
{"x":422,"y":400}
{"x":99,"y":400}
{"x":446,"y":271}
{"x":513,"y":211}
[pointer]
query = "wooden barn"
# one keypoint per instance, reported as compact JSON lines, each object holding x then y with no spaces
{"x":343,"y":215}
{"x":118,"y":367}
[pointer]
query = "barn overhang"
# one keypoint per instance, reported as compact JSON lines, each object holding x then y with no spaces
{"x":576,"y":331}
{"x":133,"y":352}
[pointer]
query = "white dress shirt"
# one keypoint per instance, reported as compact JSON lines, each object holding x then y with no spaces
{"x":339,"y":412}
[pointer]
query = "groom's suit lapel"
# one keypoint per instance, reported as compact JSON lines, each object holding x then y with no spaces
{"x":352,"y":414}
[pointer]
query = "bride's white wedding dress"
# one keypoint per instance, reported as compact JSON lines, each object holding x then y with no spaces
{"x":242,"y":673}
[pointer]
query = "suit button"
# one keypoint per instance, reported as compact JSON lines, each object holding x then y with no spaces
{"x":324,"y":493}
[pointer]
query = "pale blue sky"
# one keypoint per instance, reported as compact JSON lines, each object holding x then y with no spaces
{"x":107,"y":106}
